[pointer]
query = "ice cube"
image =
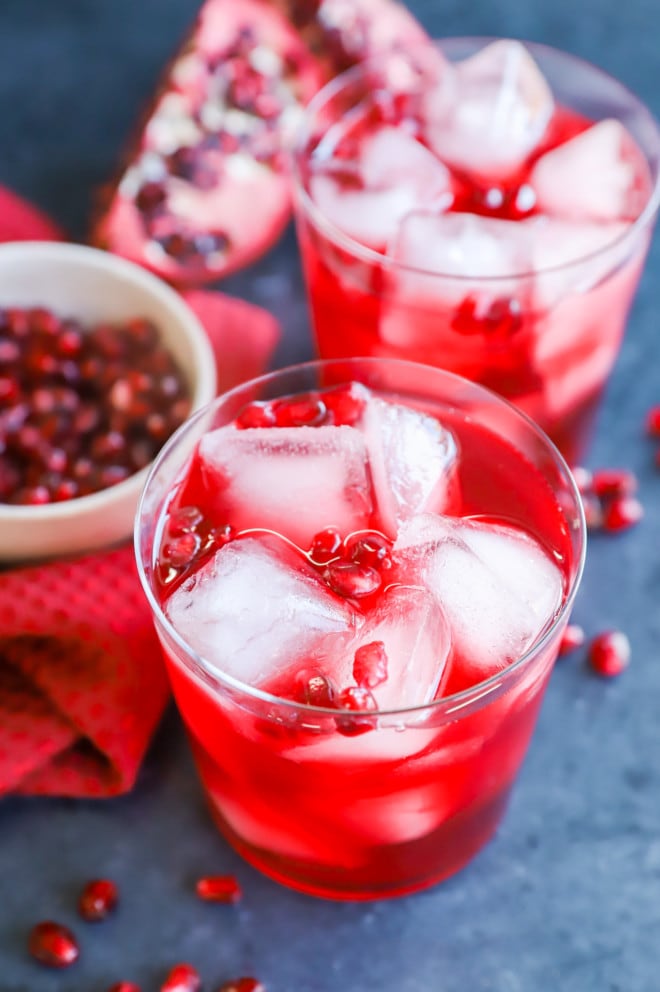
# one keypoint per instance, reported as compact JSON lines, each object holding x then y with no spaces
{"x":396,"y":175}
{"x":414,"y":631}
{"x":591,"y":176}
{"x":295,"y":481}
{"x":498,"y":587}
{"x":444,"y":260}
{"x":412,"y":460}
{"x":490,"y":113}
{"x":572,"y":256}
{"x":255,"y":609}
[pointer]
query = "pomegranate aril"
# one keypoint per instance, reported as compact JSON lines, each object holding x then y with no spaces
{"x":184,"y":519}
{"x":125,"y":987}
{"x":356,"y":699}
{"x":622,"y":513}
{"x":53,"y":945}
{"x":181,"y":551}
{"x":610,"y":482}
{"x":609,"y":653}
{"x":345,"y":404}
{"x":97,"y":899}
{"x":307,"y":412}
{"x":653,"y":421}
{"x":352,"y":580}
{"x":368,"y":548}
{"x":219,"y":888}
{"x":315,"y":689}
{"x":182,"y":978}
{"x":256,"y":414}
{"x":572,"y":638}
{"x":244,"y":984}
{"x":325,"y":545}
{"x":370,"y":665}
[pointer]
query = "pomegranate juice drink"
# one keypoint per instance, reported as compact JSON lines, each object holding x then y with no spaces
{"x":359,"y":572}
{"x":482,"y":207}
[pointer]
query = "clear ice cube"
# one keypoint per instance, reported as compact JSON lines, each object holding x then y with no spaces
{"x":396,"y":175}
{"x":592,"y":176}
{"x":497,"y":586}
{"x":295,"y":481}
{"x":412,"y":460}
{"x":490,"y":112}
{"x":255,"y":609}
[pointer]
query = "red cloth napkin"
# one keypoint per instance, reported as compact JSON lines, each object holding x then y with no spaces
{"x":82,"y":681}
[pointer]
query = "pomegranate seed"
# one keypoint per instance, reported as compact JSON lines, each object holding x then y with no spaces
{"x":358,"y":700}
{"x":183,"y":520}
{"x":124,"y":987}
{"x":325,"y":545}
{"x":182,"y":550}
{"x":53,"y":945}
{"x":593,"y":511}
{"x":352,"y":580}
{"x":315,"y":688}
{"x":345,"y":404}
{"x":97,"y":899}
{"x":182,"y":978}
{"x":583,"y":478}
{"x":308,"y":412}
{"x":219,"y":888}
{"x":609,"y":482}
{"x":370,"y":665}
{"x":609,"y":653}
{"x":245,"y":984}
{"x":622,"y":513}
{"x":256,"y":415}
{"x":369,"y":548}
{"x":653,"y":421}
{"x":572,"y":638}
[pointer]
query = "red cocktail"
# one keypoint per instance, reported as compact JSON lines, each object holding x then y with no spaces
{"x":360,"y":572}
{"x":482,"y":207}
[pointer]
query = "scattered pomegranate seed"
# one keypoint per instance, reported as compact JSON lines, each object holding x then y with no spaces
{"x":245,"y":984}
{"x":370,"y":665}
{"x":609,"y":653}
{"x":53,"y":945}
{"x":622,"y":513}
{"x":572,"y":638}
{"x":612,"y":482}
{"x":124,"y":987}
{"x":653,"y":421}
{"x":352,"y":580}
{"x":182,"y":978}
{"x":97,"y":899}
{"x":219,"y":888}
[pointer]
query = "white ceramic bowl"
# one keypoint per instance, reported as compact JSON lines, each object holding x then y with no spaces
{"x":92,"y":285}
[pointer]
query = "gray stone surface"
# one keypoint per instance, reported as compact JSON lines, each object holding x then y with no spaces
{"x":567,"y":897}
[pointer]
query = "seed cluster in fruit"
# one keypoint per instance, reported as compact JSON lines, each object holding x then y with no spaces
{"x":81,"y":407}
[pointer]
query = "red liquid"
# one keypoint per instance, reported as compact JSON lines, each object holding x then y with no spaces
{"x":552,"y":360}
{"x":386,"y":811}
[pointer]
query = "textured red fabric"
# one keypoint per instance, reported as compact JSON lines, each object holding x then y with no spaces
{"x":243,"y":335}
{"x":81,"y":676}
{"x":82,"y":682}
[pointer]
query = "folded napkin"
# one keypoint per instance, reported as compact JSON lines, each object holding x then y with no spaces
{"x":82,"y":681}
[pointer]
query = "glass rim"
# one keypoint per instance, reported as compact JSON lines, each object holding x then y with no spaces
{"x":454,"y":703}
{"x":368,"y":255}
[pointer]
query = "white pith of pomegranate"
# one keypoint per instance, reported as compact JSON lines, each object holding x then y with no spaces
{"x":206,"y":190}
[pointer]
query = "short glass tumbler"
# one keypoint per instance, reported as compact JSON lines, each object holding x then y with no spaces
{"x":351,"y":805}
{"x":521,"y":288}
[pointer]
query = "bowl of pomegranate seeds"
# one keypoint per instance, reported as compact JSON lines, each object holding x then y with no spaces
{"x":100,"y":362}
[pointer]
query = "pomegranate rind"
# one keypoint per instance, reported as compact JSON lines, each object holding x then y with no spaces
{"x":247,"y":203}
